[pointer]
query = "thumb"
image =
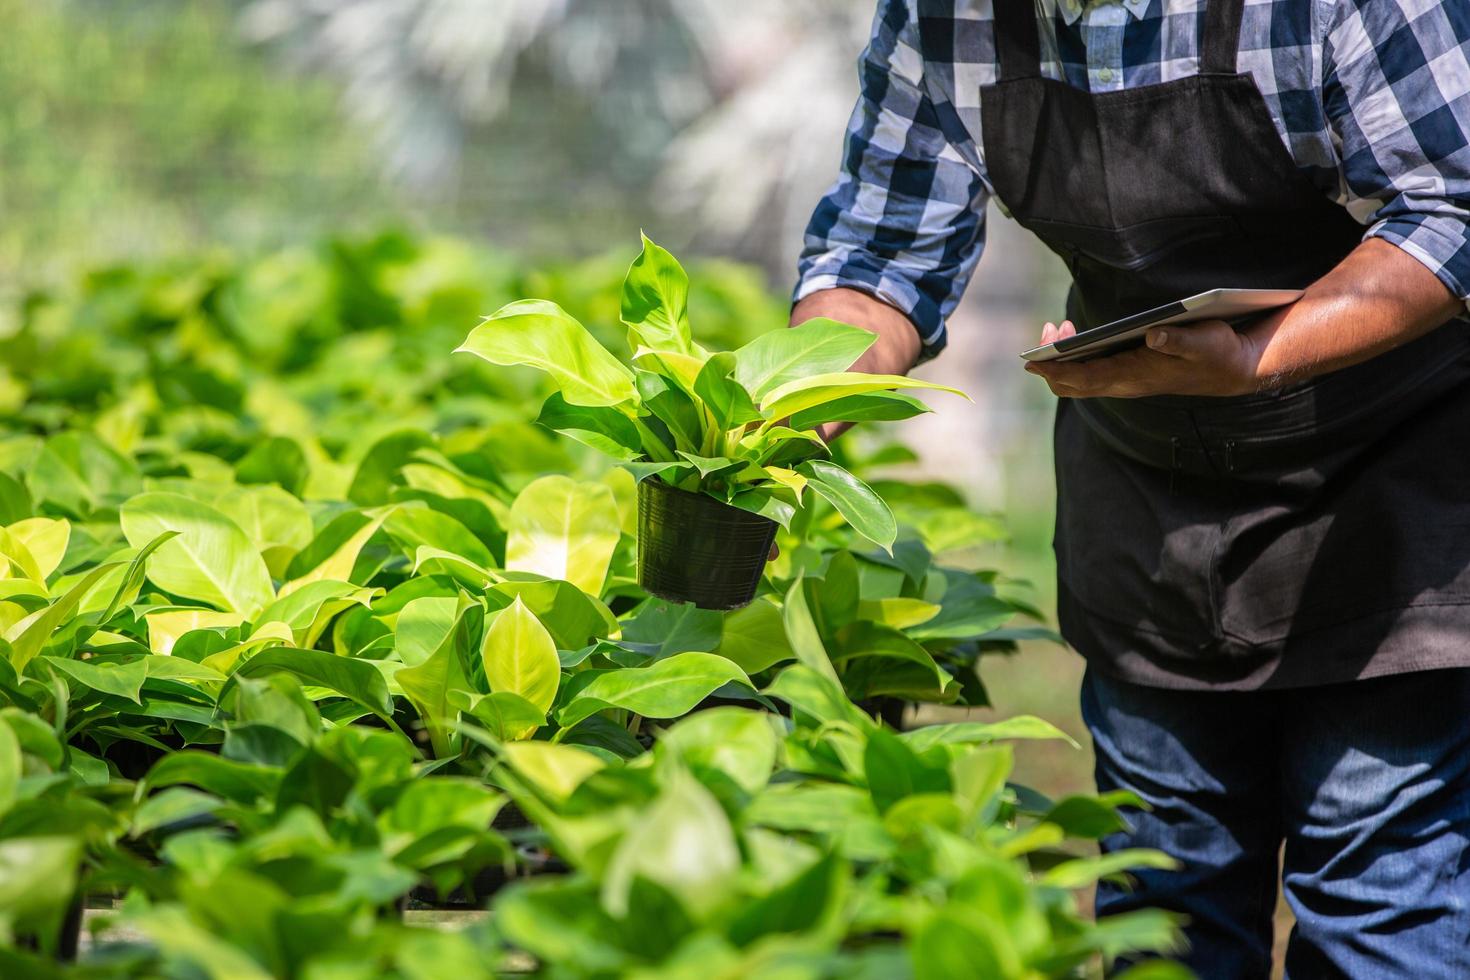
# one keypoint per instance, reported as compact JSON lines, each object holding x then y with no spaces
{"x":1192,"y":342}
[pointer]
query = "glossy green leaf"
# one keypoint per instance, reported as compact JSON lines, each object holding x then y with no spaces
{"x":276,"y":523}
{"x":45,"y":541}
{"x":124,"y":680}
{"x":873,"y":406}
{"x":737,"y":742}
{"x":664,"y":689}
{"x":535,"y":333}
{"x":520,"y":657}
{"x":724,"y":396}
{"x":820,"y":389}
{"x":564,"y":529}
{"x":854,"y":500}
{"x":802,"y":633}
{"x":555,"y":770}
{"x":356,"y":680}
{"x":755,"y":637}
{"x":655,"y":302}
{"x":10,"y":767}
{"x":210,"y":559}
{"x":816,"y":346}
{"x":684,"y":843}
{"x":605,"y":429}
{"x":507,"y":717}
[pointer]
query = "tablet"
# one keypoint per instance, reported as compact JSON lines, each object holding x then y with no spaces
{"x":1214,"y":304}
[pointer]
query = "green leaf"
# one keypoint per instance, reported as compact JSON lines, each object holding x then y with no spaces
{"x":767,"y":502}
{"x":430,"y":684}
{"x":675,"y":408}
{"x":238,"y":782}
{"x":981,"y":732}
{"x":45,"y":540}
{"x":816,"y":695}
{"x":895,"y":771}
{"x":539,"y":334}
{"x":307,"y":611}
{"x":210,"y":559}
{"x":79,"y":473}
{"x":572,"y":617}
{"x":801,"y":632}
{"x":124,"y":680}
{"x":520,"y":657}
{"x":875,"y":406}
{"x":820,"y":389}
{"x":959,"y":944}
{"x":655,"y":304}
{"x":10,"y":767}
{"x":726,"y":399}
{"x":817,"y":346}
{"x":755,"y":637}
{"x":422,"y":626}
{"x":356,"y":680}
{"x":15,"y":500}
{"x":172,"y":805}
{"x":1085,"y":816}
{"x":507,"y":717}
{"x":29,"y":636}
{"x":333,"y":553}
{"x":684,"y":843}
{"x":378,"y":470}
{"x":277,"y":460}
{"x":867,"y":639}
{"x":555,"y":770}
{"x":735,"y":741}
{"x":665,"y":688}
{"x":564,"y":529}
{"x":1081,"y":872}
{"x":605,"y":429}
{"x":37,"y":880}
{"x":276,"y":523}
{"x":854,"y":500}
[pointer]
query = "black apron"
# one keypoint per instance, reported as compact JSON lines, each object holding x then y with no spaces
{"x":1311,"y":535}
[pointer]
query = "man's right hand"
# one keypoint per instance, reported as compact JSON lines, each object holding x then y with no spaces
{"x":895,"y":351}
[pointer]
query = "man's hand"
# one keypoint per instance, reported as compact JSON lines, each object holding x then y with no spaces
{"x":895,"y":351}
{"x":1205,"y":358}
{"x":1376,"y":299}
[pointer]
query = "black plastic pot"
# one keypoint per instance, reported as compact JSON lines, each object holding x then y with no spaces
{"x":693,"y":548}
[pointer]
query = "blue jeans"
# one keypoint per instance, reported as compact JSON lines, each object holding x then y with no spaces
{"x":1368,"y":786}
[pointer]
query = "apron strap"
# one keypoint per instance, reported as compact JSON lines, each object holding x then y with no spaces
{"x":1017,"y":42}
{"x":1221,"y":40}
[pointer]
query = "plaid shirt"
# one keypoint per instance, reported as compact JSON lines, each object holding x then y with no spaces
{"x":1371,"y":97}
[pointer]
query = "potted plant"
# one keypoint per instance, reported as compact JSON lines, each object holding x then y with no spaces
{"x":725,"y":445}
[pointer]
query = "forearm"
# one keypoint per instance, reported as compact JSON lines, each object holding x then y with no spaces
{"x":1377,"y":298}
{"x":897,"y":347}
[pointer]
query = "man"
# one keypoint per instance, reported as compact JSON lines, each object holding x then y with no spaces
{"x":1263,"y":534}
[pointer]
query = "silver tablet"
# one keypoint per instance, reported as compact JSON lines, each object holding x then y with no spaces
{"x":1214,"y":304}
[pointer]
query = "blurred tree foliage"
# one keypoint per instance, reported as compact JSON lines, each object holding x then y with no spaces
{"x":144,"y":127}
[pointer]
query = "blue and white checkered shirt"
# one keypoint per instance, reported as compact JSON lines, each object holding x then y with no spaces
{"x":1371,"y":97}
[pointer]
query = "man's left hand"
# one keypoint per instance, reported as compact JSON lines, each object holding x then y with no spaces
{"x":1206,"y":358}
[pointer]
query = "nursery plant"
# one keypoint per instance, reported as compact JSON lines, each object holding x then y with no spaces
{"x":307,"y":635}
{"x":711,"y":436}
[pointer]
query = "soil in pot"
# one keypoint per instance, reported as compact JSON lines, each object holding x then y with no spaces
{"x":693,"y":548}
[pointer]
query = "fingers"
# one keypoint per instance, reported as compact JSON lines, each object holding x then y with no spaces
{"x":1051,"y":333}
{"x":1206,"y":340}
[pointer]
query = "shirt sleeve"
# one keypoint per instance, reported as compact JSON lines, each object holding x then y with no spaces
{"x":1396,"y":87}
{"x":905,"y":221}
